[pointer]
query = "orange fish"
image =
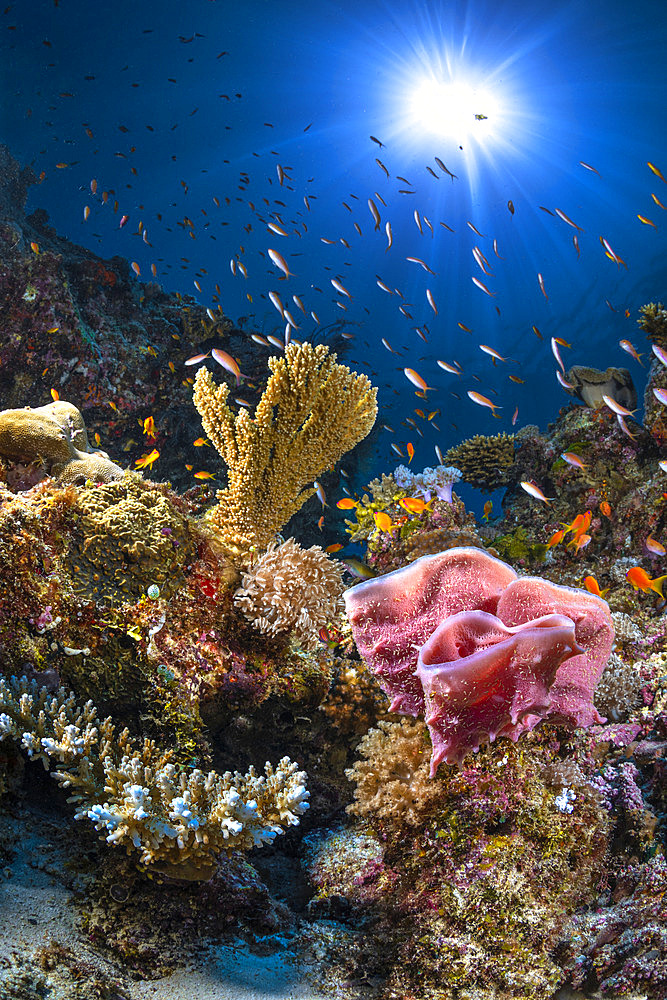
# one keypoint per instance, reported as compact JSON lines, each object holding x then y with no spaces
{"x":34,"y":247}
{"x":55,"y":395}
{"x":488,"y":507}
{"x":204,"y":475}
{"x":146,"y":461}
{"x":593,"y":587}
{"x":605,"y":508}
{"x":481,"y":400}
{"x":410,"y":450}
{"x":200,"y":441}
{"x":580,"y":524}
{"x":228,"y":363}
{"x":382,"y":521}
{"x":413,"y":505}
{"x":556,"y":538}
{"x":346,"y":504}
{"x":148,"y":426}
{"x":580,"y":541}
{"x":535,"y":491}
{"x":655,"y":547}
{"x":651,"y":167}
{"x":336,"y":547}
{"x":640,"y":580}
{"x":416,"y":379}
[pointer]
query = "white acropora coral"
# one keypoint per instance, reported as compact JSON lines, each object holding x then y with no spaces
{"x":135,"y":797}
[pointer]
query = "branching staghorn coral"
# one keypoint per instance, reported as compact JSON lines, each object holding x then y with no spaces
{"x":291,"y":589}
{"x":175,"y":818}
{"x":312,"y":411}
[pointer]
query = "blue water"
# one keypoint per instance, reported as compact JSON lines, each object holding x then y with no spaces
{"x":305,"y":86}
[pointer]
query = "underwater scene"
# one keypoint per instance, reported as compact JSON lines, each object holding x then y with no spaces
{"x":333,"y":500}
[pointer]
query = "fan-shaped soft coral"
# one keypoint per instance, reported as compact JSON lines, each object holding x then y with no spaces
{"x":484,"y":652}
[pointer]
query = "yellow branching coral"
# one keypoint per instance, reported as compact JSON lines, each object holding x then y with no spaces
{"x":312,"y":411}
{"x":176,"y":819}
{"x":291,"y":589}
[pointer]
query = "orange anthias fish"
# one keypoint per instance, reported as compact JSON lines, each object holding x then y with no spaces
{"x":204,"y":475}
{"x":410,"y":450}
{"x":382,"y":520}
{"x":534,"y":491}
{"x":336,"y":547}
{"x":605,"y":508}
{"x":556,"y":538}
{"x":654,"y":547}
{"x":593,"y":587}
{"x":146,"y":461}
{"x":640,"y":580}
{"x":488,"y":507}
{"x":414,"y":505}
{"x":580,"y":524}
{"x":149,"y":427}
{"x":346,"y":504}
{"x":579,"y":541}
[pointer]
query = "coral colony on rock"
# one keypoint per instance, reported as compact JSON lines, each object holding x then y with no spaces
{"x":266,"y":731}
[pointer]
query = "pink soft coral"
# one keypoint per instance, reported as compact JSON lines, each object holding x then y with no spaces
{"x":483,"y":652}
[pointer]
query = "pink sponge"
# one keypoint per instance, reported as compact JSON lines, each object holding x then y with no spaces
{"x":484,"y":652}
{"x":392,"y":616}
{"x":482,"y":679}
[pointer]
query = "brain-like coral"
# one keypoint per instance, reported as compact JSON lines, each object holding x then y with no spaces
{"x":128,"y":537}
{"x":484,"y":460}
{"x":54,"y":438}
{"x":483,"y":652}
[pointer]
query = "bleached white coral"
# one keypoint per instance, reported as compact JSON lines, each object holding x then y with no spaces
{"x":139,"y":800}
{"x":438,"y":481}
{"x":291,"y":589}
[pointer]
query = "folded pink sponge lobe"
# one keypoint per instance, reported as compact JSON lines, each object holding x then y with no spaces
{"x":482,"y":652}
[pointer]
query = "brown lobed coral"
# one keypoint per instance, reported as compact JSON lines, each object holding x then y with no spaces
{"x":484,"y":460}
{"x":53,"y":438}
{"x":590,"y":385}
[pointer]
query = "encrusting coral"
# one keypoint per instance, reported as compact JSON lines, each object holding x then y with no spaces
{"x":312,"y":411}
{"x":54,"y":439}
{"x":484,"y":460}
{"x":292,"y":589}
{"x":136,"y":797}
{"x":128,"y":537}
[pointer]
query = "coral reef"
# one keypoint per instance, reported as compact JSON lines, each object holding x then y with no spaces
{"x":312,"y":411}
{"x":465,"y":882}
{"x":653,"y":320}
{"x":291,"y":589}
{"x":136,"y":796}
{"x":485,"y":461}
